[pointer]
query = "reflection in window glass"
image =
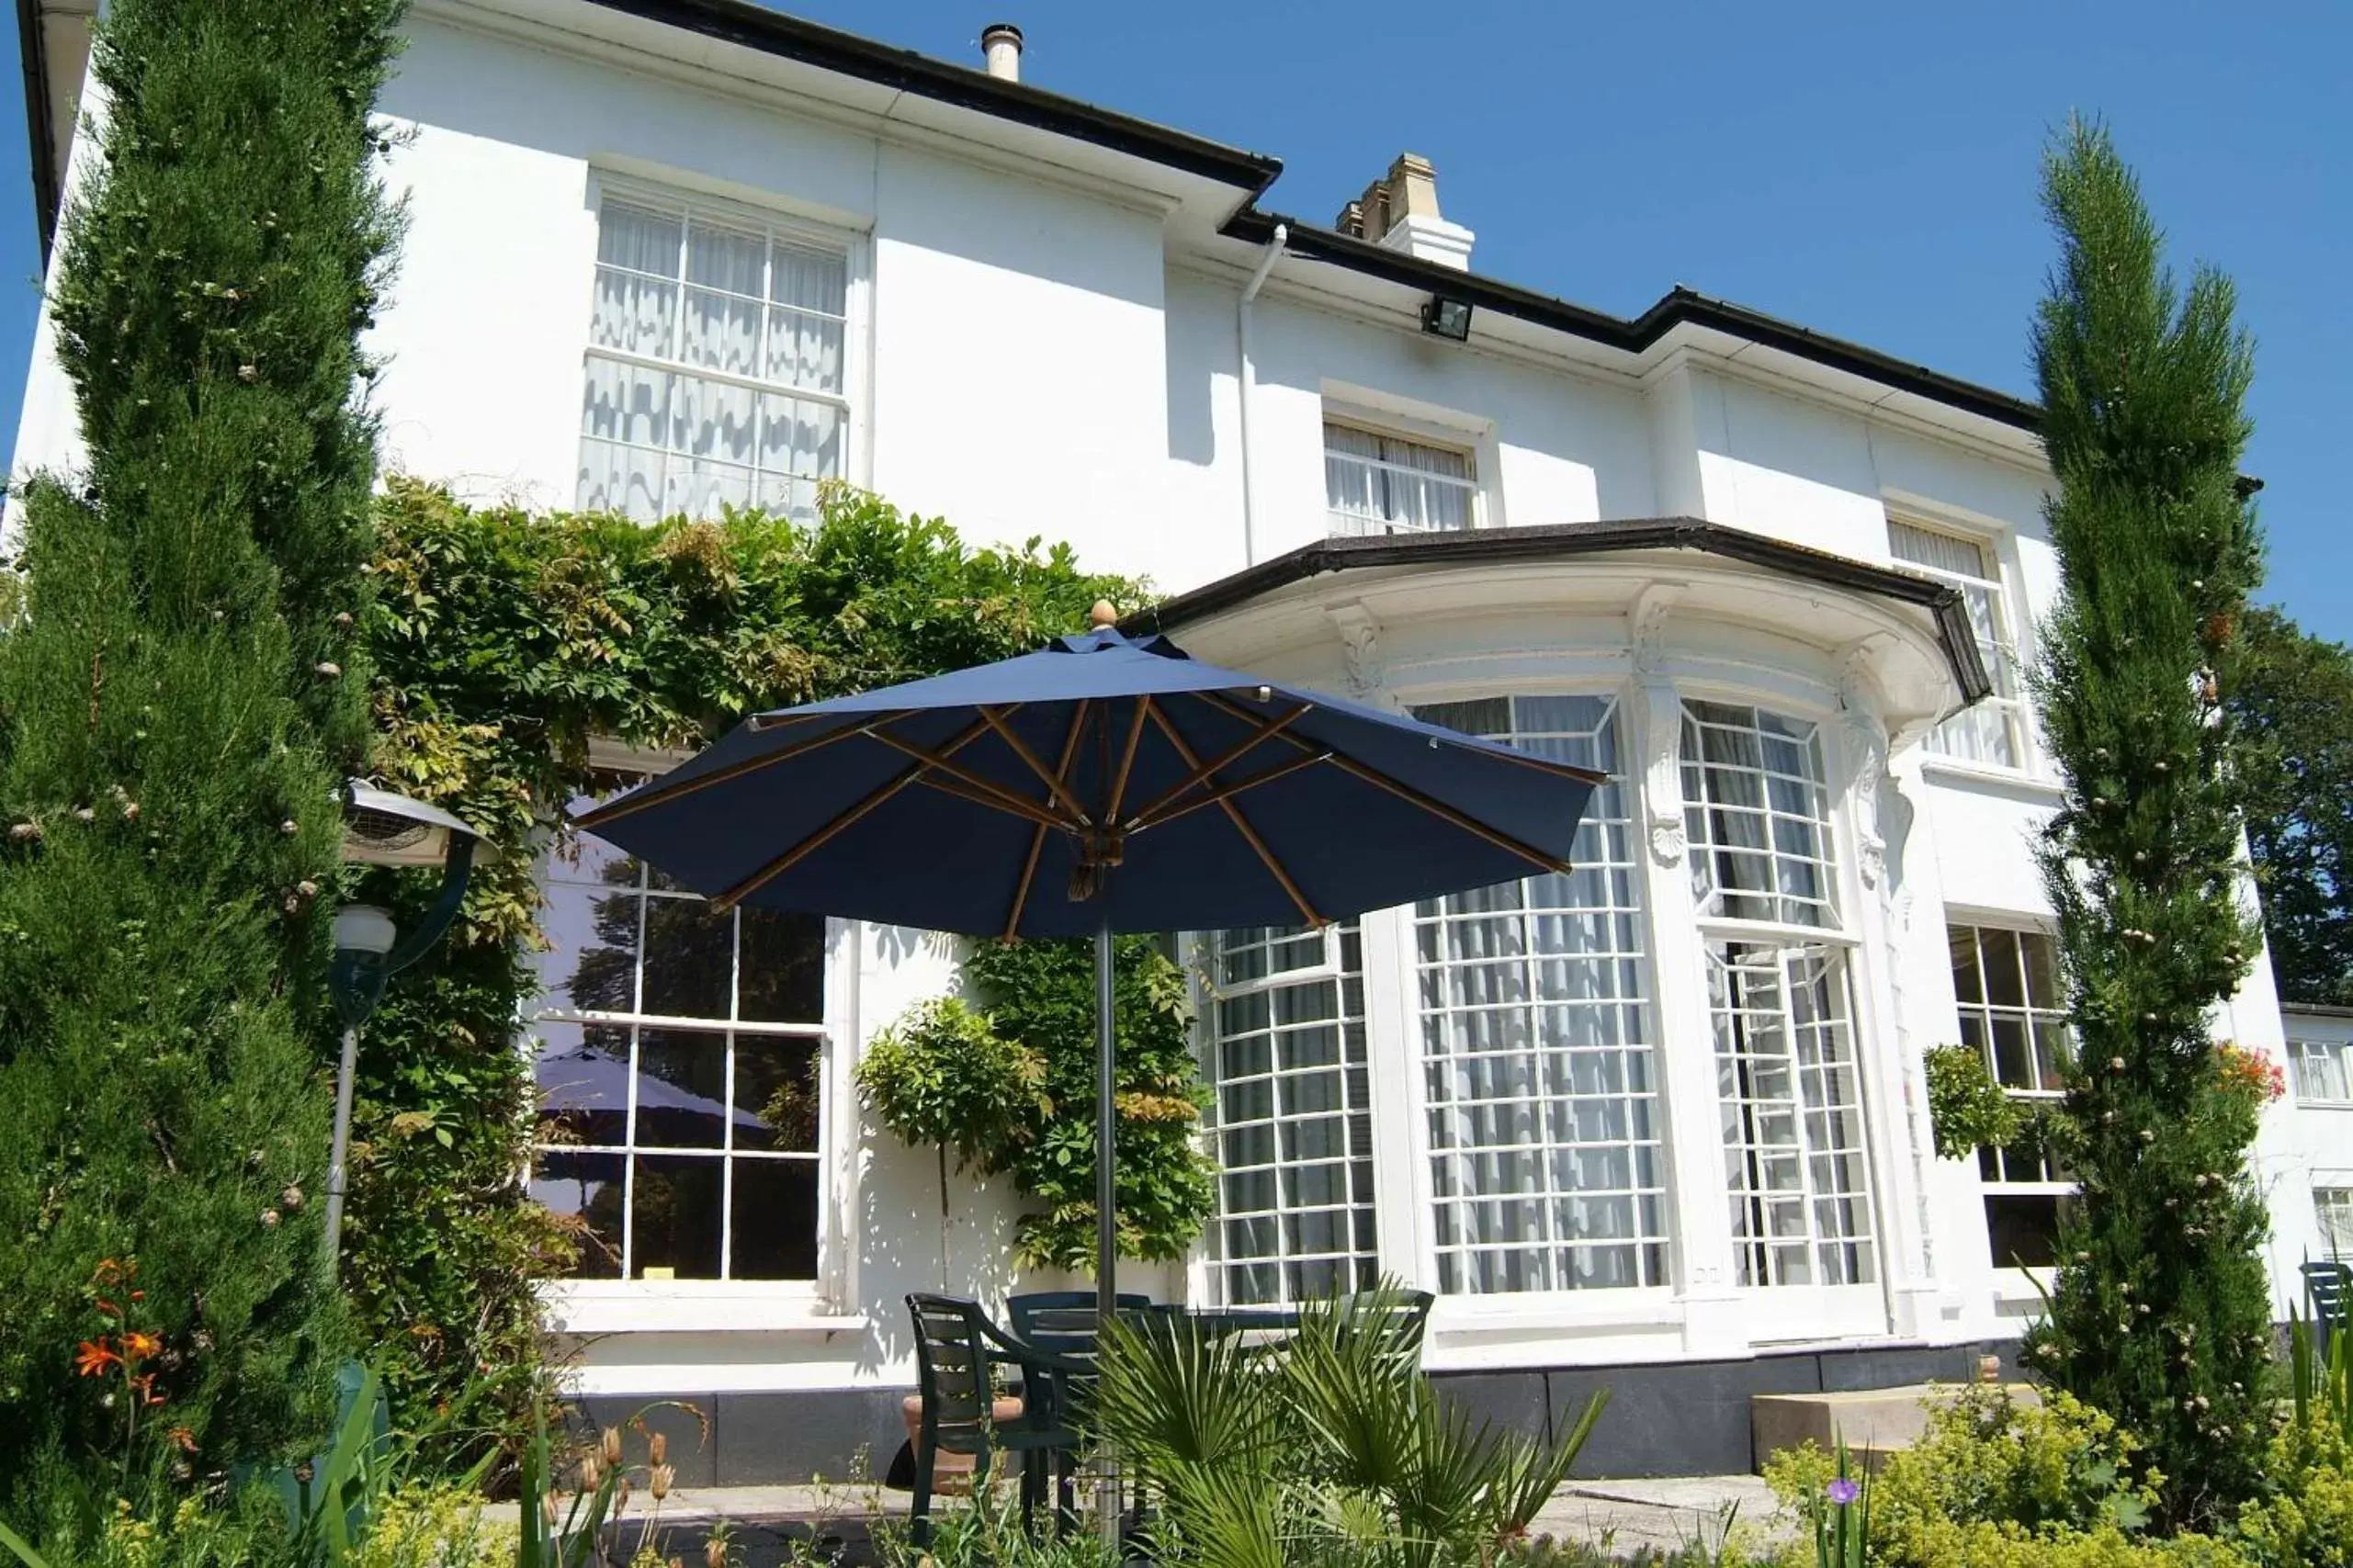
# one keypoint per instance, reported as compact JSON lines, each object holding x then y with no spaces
{"x":1537,"y":1046}
{"x":2006,"y":983}
{"x":679,"y":1071}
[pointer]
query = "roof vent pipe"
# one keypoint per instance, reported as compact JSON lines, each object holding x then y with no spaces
{"x":1000,"y":46}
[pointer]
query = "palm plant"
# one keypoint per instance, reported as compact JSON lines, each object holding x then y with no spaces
{"x":1329,"y":1447}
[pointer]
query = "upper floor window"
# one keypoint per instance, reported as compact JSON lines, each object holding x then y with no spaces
{"x":1385,"y":484}
{"x":715,"y":368}
{"x":2333,"y":1207}
{"x":1994,"y":731}
{"x":679,"y":1073}
{"x":2011,"y":1008}
{"x":2323,"y":1071}
{"x":1294,"y":1124}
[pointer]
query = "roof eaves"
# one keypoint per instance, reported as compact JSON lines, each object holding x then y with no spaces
{"x":772,"y":32}
{"x":1490,"y":546}
{"x":1678,"y":306}
{"x":31,"y":53}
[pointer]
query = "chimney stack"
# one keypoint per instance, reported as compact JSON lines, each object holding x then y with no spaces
{"x":1000,"y":46}
{"x":1399,"y":212}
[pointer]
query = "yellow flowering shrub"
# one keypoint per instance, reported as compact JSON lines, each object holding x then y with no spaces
{"x":2307,"y":1522}
{"x":435,"y":1527}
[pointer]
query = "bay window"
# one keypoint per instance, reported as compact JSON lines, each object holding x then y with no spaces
{"x":679,"y":1068}
{"x":716,"y":372}
{"x":1536,"y":1044}
{"x":1293,"y":1125}
{"x":1789,"y":1092}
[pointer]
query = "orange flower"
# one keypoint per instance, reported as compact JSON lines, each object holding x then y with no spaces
{"x":138,"y":1345}
{"x":107,"y":1272}
{"x":184,"y":1437}
{"x":94,"y":1358}
{"x":146,"y":1387}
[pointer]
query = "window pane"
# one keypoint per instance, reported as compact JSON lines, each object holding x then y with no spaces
{"x":689,"y":959}
{"x":1536,"y":1044}
{"x":582,"y":1073}
{"x":776,"y":1091}
{"x":584,"y":1191}
{"x":2335,"y":1207}
{"x":2023,"y":1229}
{"x":590,"y":963}
{"x":1385,"y":484}
{"x":675,"y":1216}
{"x":776,"y":1219}
{"x":682,"y":1089}
{"x":784,"y":968}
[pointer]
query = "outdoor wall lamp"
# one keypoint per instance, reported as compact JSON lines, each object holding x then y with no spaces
{"x":1449,"y":319}
{"x":381,"y":827}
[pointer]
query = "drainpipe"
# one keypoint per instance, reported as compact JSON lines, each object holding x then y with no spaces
{"x":1248,"y":378}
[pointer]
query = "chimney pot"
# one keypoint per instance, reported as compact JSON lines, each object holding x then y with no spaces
{"x":1000,"y":46}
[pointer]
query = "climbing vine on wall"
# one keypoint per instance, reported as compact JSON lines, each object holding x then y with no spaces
{"x":503,"y":640}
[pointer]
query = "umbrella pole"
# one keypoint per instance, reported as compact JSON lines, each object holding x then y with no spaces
{"x":1107,"y":1090}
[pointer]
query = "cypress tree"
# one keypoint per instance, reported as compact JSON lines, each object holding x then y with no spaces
{"x":176,"y":708}
{"x":2160,"y":1312}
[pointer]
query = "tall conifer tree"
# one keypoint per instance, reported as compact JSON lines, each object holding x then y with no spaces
{"x":176,"y":712}
{"x":2160,"y":1314}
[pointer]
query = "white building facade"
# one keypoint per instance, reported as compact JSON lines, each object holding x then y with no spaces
{"x":1659,"y":1124}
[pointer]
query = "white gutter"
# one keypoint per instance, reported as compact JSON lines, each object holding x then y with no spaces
{"x":1247,"y":379}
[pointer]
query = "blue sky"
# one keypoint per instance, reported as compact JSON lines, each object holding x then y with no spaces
{"x":1866,"y":170}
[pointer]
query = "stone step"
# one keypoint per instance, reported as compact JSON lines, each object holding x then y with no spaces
{"x":1873,"y":1422}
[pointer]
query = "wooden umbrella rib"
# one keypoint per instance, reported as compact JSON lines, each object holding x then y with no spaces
{"x":1501,"y":753}
{"x":845,"y":819}
{"x":1280,"y":770}
{"x":997,"y":794}
{"x":1126,"y":760}
{"x":1436,"y":807}
{"x":1233,"y":754}
{"x":1037,"y":834}
{"x":659,"y":793}
{"x":1059,"y":790}
{"x":1241,"y":825}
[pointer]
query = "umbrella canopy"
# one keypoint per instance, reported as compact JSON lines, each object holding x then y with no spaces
{"x":1100,"y":777}
{"x":1103,"y":784}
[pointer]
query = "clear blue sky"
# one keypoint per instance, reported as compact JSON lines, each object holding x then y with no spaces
{"x":1866,"y":170}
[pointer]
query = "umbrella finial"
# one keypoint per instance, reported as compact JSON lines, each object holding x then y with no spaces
{"x":1104,"y":614}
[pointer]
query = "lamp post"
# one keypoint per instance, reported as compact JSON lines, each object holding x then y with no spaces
{"x":381,"y":827}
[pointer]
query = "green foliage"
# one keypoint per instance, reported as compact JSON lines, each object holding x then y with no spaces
{"x":1999,"y":1480}
{"x":2160,"y":1314}
{"x":1967,"y":1110}
{"x":987,"y":1533}
{"x":176,"y":708}
{"x":503,"y":640}
{"x":942,"y":1076}
{"x":2305,"y":1518}
{"x":1041,"y":994}
{"x":1335,"y":1449}
{"x":437,"y":1525}
{"x":2292,"y":702}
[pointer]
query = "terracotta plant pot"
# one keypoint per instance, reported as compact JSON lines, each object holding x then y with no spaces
{"x":953,"y":1472}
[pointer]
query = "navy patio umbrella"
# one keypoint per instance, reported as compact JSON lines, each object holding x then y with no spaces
{"x":1102,"y":783}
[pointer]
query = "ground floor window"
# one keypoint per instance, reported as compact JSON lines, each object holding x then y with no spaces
{"x":1795,"y":1169}
{"x":1294,"y":1126}
{"x":1536,"y":1041}
{"x":679,"y":1066}
{"x":2335,"y":1207}
{"x":2011,"y":1009}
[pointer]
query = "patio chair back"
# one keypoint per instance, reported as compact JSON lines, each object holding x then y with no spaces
{"x":952,"y":1372}
{"x":2329,"y":1286}
{"x":1064,"y":1323}
{"x":1404,"y":1314}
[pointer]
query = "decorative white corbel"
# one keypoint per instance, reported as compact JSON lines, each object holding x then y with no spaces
{"x":1360,"y":637}
{"x":1647,"y":623}
{"x":1662,"y":780}
{"x":1866,"y":739}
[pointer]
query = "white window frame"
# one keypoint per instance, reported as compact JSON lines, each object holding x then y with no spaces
{"x":2018,"y":720}
{"x":1587,"y":1301}
{"x":1216,"y":1267}
{"x":2333,"y":1216}
{"x":593,"y":1305}
{"x":1412,"y":432}
{"x":2302,"y":1054}
{"x":2028,"y":1014}
{"x":777,"y":223}
{"x":1814,"y":1308}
